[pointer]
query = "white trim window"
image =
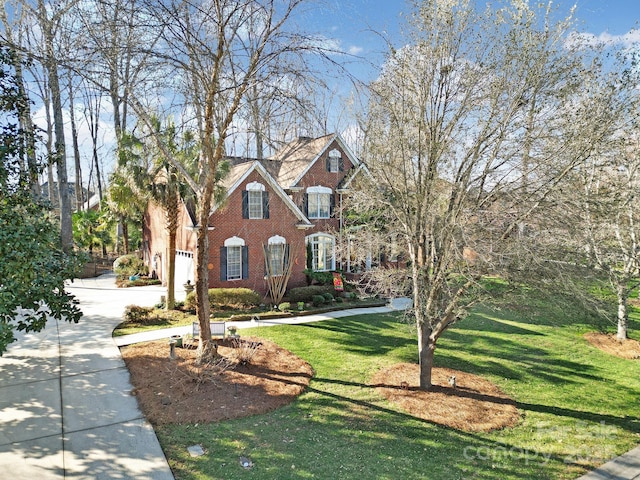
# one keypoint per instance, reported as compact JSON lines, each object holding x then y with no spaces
{"x":334,"y":161}
{"x":233,"y":259}
{"x":255,"y":200}
{"x":319,"y":202}
{"x":276,"y":255}
{"x":322,"y":249}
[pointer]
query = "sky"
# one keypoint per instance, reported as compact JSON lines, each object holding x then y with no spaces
{"x":357,"y":27}
{"x":357,"y":24}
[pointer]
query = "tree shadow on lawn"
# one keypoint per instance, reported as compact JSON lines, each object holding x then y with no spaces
{"x":511,"y":359}
{"x":366,"y":334}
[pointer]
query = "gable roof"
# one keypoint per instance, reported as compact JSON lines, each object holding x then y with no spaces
{"x":239,"y":173}
{"x":292,"y":162}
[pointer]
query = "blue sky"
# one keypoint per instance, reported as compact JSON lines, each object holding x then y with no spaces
{"x":353,"y":22}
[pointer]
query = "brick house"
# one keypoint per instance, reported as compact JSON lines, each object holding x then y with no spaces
{"x":273,"y":207}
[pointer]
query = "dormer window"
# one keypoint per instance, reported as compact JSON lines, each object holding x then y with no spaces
{"x":334,"y":161}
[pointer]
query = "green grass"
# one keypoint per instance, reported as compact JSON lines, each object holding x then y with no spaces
{"x":579,"y":406}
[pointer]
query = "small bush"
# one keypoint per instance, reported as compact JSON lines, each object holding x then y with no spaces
{"x":284,"y":306}
{"x":129,"y":265}
{"x":305,"y":294}
{"x":136,"y":314}
{"x":328,"y":297}
{"x":227,"y":297}
{"x":339,"y":300}
{"x":318,"y":300}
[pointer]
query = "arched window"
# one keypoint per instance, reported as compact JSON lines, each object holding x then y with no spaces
{"x":334,"y":161}
{"x":234,"y":258}
{"x":319,"y":202}
{"x":255,"y":201}
{"x":277,"y":256}
{"x":322,"y":251}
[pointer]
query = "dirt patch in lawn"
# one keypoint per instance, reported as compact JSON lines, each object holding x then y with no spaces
{"x":629,"y":349}
{"x":473,"y":405}
{"x":178,"y":391}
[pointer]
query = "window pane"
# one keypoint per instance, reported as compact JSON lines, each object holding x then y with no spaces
{"x":276,"y":259}
{"x":334,"y":163}
{"x":324,"y":205}
{"x":312,"y":205}
{"x":255,"y":204}
{"x":234,"y":263}
{"x":322,"y":248}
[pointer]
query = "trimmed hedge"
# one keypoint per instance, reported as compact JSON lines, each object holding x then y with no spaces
{"x":227,"y":297}
{"x":305,"y":294}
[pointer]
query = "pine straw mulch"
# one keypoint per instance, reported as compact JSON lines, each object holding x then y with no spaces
{"x":629,"y":349}
{"x":474,"y":405}
{"x":178,"y":391}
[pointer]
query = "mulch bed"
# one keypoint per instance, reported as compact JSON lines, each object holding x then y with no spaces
{"x":629,"y":349}
{"x":178,"y":391}
{"x":474,"y":405}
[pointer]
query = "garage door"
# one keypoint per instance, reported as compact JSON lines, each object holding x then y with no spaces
{"x":184,"y":269}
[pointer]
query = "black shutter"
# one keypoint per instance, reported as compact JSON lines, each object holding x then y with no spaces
{"x":287,"y":252}
{"x":332,"y":204}
{"x":245,"y":204}
{"x":245,"y":262}
{"x":305,"y":204}
{"x":265,"y":204}
{"x":328,"y":163}
{"x":223,"y":263}
{"x":341,"y":164}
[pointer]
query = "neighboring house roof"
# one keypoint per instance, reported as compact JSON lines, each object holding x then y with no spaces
{"x":237,"y":175}
{"x":292,"y":162}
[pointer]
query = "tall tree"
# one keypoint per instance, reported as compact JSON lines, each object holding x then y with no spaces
{"x":217,"y":49}
{"x":465,"y":140}
{"x":34,"y":267}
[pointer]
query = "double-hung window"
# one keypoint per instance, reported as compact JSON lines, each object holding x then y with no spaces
{"x":319,"y":200}
{"x":255,"y":201}
{"x":234,"y":259}
{"x":276,"y":256}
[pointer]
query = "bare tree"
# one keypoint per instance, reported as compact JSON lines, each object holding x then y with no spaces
{"x":217,"y":49}
{"x":466,"y":137}
{"x":606,"y":198}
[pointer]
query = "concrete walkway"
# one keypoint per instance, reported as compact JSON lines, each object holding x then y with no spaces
{"x":65,"y":404}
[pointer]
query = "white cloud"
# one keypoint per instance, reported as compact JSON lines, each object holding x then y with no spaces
{"x":354,"y":50}
{"x":605,"y":39}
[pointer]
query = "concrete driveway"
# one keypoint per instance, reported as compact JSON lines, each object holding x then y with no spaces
{"x":65,"y":404}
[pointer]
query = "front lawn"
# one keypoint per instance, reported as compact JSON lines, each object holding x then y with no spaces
{"x":579,"y":406}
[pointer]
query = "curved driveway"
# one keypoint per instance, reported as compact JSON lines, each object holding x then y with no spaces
{"x":65,"y":405}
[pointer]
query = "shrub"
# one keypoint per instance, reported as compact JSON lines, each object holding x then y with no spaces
{"x":328,"y":297}
{"x":129,"y":265}
{"x":305,"y":294}
{"x":320,"y":278}
{"x":318,"y":300}
{"x":338,"y":299}
{"x":227,"y":297}
{"x":136,"y":314}
{"x":284,"y":306}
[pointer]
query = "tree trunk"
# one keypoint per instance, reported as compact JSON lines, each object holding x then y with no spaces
{"x":66,"y":229}
{"x":623,"y":317}
{"x":205,"y":346}
{"x":426,"y":351}
{"x":76,"y":150}
{"x":172,"y":227}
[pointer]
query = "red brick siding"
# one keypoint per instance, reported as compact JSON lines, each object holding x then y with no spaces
{"x":228,"y":222}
